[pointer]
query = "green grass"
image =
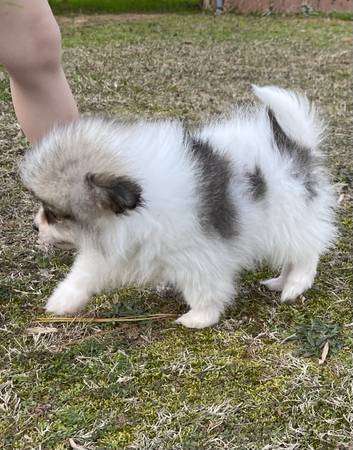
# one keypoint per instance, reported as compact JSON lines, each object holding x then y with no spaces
{"x":243,"y":384}
{"x":123,"y":6}
{"x":252,"y":30}
{"x":157,"y":6}
{"x":342,"y":15}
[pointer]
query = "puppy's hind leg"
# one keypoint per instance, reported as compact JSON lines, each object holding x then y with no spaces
{"x":207,"y":301}
{"x":277,"y":284}
{"x":299,"y":278}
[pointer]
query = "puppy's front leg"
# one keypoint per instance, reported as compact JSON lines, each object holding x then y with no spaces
{"x":86,"y":278}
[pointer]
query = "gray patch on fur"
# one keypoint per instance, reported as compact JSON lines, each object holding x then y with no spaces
{"x":257,"y":184}
{"x":217,"y":211}
{"x":303,"y":158}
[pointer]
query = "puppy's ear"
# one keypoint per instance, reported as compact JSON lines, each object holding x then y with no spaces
{"x":115,"y":193}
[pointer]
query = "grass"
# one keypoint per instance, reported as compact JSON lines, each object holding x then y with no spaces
{"x":123,"y":6}
{"x":158,"y":6}
{"x":243,"y":384}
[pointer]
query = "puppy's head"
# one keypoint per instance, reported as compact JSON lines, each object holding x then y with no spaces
{"x":81,"y":181}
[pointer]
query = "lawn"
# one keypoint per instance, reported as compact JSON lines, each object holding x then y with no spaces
{"x":124,"y":6}
{"x":252,"y":382}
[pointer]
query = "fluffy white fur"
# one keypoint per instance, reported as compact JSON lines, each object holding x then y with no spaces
{"x":162,"y":241}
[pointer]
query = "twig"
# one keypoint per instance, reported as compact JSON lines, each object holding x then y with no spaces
{"x":104,"y":319}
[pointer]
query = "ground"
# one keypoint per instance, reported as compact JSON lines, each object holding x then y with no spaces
{"x":252,"y":382}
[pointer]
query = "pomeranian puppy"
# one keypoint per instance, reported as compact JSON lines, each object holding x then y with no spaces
{"x":153,"y":203}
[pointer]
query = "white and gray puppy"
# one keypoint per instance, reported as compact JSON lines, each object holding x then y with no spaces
{"x":150,"y":203}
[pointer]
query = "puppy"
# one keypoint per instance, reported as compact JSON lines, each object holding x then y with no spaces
{"x":151,"y":203}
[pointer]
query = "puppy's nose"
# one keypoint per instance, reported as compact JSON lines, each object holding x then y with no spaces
{"x":35,"y":227}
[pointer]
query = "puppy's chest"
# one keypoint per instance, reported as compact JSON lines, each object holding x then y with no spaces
{"x":142,"y":265}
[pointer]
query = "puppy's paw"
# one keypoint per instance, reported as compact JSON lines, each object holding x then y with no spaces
{"x":293,"y":289}
{"x":199,"y":318}
{"x":274,"y":284}
{"x":65,"y":301}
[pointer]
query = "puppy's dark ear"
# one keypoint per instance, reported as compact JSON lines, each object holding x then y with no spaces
{"x":115,"y":193}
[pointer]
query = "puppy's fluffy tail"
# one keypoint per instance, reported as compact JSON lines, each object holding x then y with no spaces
{"x":295,"y":115}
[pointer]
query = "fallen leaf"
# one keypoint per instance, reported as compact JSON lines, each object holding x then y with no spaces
{"x":324,"y":353}
{"x":76,"y":446}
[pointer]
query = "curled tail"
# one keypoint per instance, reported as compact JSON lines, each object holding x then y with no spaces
{"x":292,"y":116}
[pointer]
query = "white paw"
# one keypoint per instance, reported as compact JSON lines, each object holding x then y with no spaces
{"x":66,"y":300}
{"x":199,"y":318}
{"x":294,"y":288}
{"x":274,"y":284}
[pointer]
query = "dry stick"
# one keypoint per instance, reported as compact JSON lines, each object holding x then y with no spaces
{"x":104,"y":319}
